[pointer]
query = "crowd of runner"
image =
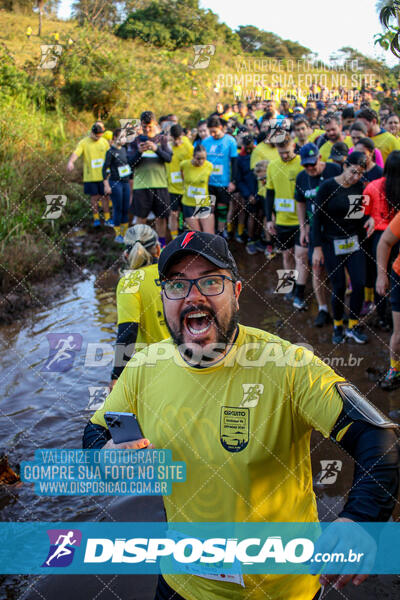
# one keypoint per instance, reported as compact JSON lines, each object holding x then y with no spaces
{"x":317,"y":183}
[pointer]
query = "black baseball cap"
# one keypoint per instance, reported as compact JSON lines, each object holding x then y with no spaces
{"x":339,"y":151}
{"x":212,"y":247}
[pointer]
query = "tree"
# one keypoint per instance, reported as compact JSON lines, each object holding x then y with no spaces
{"x":99,"y":13}
{"x":266,"y":43}
{"x":176,"y":24}
{"x":389,"y":12}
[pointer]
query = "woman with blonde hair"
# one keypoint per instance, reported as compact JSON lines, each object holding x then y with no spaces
{"x":140,"y":311}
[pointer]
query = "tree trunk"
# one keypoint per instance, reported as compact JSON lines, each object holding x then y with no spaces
{"x":40,"y":22}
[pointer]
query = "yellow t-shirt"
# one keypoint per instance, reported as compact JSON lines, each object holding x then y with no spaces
{"x":386,"y":143}
{"x":281,"y":177}
{"x":326,"y":148}
{"x":311,"y":138}
{"x":243,"y":428}
{"x":195,"y":181}
{"x":94,"y":153}
{"x":179,"y":153}
{"x":139,"y":301}
{"x":263,"y":151}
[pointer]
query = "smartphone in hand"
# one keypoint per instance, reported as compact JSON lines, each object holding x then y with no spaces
{"x":123,"y":427}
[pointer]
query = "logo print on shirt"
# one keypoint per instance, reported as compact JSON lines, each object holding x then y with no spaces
{"x":187,"y":239}
{"x":251,"y":394}
{"x":234,"y":428}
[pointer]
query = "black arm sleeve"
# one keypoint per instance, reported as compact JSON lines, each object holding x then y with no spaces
{"x":234,"y":168}
{"x":106,"y":164}
{"x":317,"y":221}
{"x":269,"y":203}
{"x":376,"y":470}
{"x":126,"y":339}
{"x":95,"y":436}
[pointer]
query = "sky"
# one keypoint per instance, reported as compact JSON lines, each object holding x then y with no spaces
{"x":309,"y":22}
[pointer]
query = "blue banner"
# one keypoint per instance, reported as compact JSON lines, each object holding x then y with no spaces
{"x":199,"y":548}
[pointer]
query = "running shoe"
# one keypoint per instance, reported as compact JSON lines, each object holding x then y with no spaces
{"x":391,"y":380}
{"x":109,"y":223}
{"x":356,"y":334}
{"x":251,"y":248}
{"x":323,"y":318}
{"x":260,"y":247}
{"x":338,"y":335}
{"x":96,"y":223}
{"x":226,"y":235}
{"x":367,"y":308}
{"x":269,"y":252}
{"x":299,"y":304}
{"x":119,"y":239}
{"x":240,"y":238}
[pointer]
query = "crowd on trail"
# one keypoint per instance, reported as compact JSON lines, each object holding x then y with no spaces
{"x":315,"y":182}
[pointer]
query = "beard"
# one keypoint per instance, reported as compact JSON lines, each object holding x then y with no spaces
{"x":196,"y":354}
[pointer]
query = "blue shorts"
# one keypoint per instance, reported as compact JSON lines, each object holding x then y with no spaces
{"x":93,"y":188}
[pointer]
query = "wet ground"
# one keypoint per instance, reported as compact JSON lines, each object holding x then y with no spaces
{"x":42,"y":409}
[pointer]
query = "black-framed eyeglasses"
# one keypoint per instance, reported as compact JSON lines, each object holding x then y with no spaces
{"x":209,"y":285}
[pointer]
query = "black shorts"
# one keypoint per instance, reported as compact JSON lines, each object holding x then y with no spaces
{"x":287,"y":236}
{"x":222,"y":196}
{"x":395,"y":291}
{"x":93,"y":188}
{"x":175,"y":202}
{"x":151,"y":199}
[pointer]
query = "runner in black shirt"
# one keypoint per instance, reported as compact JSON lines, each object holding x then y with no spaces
{"x":307,"y":183}
{"x":339,"y":226}
{"x":116,"y":171}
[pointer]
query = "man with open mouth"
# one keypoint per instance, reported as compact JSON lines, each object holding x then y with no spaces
{"x":238,"y":405}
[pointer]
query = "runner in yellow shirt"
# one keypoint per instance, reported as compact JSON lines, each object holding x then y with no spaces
{"x":281,"y":185}
{"x":238,"y":405}
{"x":198,"y":205}
{"x":303,"y":131}
{"x":333,"y":131}
{"x":93,"y":149}
{"x":182,"y":150}
{"x":383,"y":140}
{"x":140,"y":312}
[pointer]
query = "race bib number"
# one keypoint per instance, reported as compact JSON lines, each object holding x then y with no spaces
{"x":124,"y":171}
{"x":176,"y":177}
{"x":195,"y":191}
{"x":212,"y":571}
{"x":284,"y":205}
{"x":346,"y":246}
{"x":218,"y":169}
{"x":97,"y":163}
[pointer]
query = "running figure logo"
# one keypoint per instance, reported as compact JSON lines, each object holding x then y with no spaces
{"x":251,"y":394}
{"x":279,"y":128}
{"x":63,"y":347}
{"x":129,"y":129}
{"x":50,"y":55}
{"x":202,"y":56}
{"x":204,"y":206}
{"x":330,"y":470}
{"x":357,"y":206}
{"x":97,"y":397}
{"x":287,"y":279}
{"x":55,"y":205}
{"x":62,"y":547}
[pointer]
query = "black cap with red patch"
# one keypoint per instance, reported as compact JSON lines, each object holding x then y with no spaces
{"x":212,"y":247}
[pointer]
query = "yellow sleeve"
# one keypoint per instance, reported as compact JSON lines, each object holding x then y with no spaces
{"x":128,"y":303}
{"x":316,"y":399}
{"x":254,"y":158}
{"x":79,"y":149}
